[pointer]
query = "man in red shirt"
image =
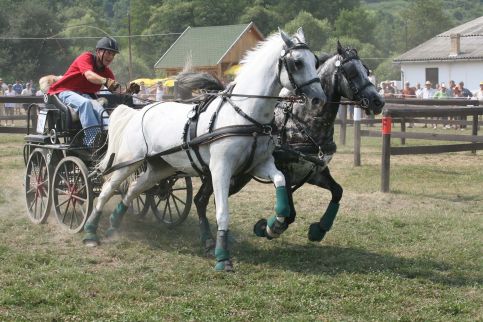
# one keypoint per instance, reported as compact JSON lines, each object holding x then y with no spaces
{"x":84,"y":77}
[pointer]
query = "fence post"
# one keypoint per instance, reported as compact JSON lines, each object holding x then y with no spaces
{"x":357,"y":136}
{"x":343,"y":123}
{"x":474,"y":129}
{"x":386,"y":152}
{"x":403,"y":130}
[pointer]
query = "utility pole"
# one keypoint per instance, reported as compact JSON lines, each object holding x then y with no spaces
{"x":129,"y":42}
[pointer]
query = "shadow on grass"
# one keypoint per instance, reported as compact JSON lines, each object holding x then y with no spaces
{"x":438,"y":195}
{"x":312,"y":258}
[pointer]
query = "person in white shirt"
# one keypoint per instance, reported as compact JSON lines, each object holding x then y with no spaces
{"x":9,"y":107}
{"x":427,"y":92}
{"x":479,"y":94}
{"x":27,"y":91}
{"x":159,"y":91}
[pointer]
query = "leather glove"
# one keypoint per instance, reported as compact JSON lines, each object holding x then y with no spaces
{"x":111,"y":85}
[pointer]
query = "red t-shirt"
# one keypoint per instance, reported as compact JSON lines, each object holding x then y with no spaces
{"x":74,"y":79}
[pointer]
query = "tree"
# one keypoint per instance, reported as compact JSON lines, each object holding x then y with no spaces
{"x":267,"y":21}
{"x":419,"y":27}
{"x":316,"y":31}
{"x":355,"y":23}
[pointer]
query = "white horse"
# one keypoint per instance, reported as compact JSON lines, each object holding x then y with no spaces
{"x":238,"y":134}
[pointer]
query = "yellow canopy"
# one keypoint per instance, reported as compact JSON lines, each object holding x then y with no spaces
{"x":149,"y":82}
{"x":233,"y":70}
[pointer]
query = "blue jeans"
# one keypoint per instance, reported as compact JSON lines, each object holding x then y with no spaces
{"x":90,"y":112}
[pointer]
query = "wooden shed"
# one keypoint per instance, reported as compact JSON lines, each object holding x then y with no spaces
{"x":214,"y":49}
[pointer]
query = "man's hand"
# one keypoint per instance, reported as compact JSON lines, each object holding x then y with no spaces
{"x":112,"y":85}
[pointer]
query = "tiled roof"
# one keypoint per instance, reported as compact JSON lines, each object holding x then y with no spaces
{"x":438,"y":47}
{"x":206,"y":45}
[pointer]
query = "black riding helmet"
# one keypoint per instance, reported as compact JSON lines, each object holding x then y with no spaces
{"x":108,"y":43}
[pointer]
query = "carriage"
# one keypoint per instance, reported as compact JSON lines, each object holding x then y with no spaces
{"x":61,"y":158}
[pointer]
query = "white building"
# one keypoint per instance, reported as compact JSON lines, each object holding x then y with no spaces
{"x":456,"y":54}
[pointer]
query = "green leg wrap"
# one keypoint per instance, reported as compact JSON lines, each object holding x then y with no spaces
{"x":222,"y":254}
{"x":282,"y":207}
{"x":90,"y":228}
{"x":205,"y":232}
{"x":275,"y":227}
{"x":116,"y":218}
{"x":328,"y":218}
{"x":318,"y":230}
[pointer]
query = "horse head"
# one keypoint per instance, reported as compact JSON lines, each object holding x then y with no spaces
{"x":297,"y":68}
{"x":354,"y":80}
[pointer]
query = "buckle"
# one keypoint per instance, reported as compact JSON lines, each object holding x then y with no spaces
{"x":267,"y":129}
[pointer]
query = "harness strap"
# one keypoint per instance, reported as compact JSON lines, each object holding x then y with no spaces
{"x":220,"y":133}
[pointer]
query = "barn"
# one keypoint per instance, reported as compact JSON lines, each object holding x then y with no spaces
{"x":456,"y":54}
{"x":214,"y":49}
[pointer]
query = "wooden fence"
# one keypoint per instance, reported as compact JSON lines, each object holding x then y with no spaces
{"x":20,"y":100}
{"x":414,"y":111}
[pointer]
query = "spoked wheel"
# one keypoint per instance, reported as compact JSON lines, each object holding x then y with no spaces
{"x":140,"y":205}
{"x":171,"y":202}
{"x":72,"y":194}
{"x":38,"y":186}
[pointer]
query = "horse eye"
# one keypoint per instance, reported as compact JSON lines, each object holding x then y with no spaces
{"x":299,"y":64}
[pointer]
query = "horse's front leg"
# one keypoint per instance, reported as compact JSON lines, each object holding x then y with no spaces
{"x":324,"y":180}
{"x":221,"y":174}
{"x":278,"y":223}
{"x":201,"y":201}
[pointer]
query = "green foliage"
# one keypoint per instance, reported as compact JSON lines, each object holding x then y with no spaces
{"x":387,"y":70}
{"x":376,"y":28}
{"x":419,"y":27}
{"x":316,"y":31}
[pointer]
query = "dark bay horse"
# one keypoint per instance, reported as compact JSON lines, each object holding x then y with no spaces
{"x":306,"y":130}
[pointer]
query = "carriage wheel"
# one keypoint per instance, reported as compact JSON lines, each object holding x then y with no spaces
{"x":140,"y":205}
{"x":38,"y":178}
{"x":72,"y":194}
{"x":171,"y":202}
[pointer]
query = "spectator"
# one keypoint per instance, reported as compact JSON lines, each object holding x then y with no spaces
{"x":479,"y":94}
{"x":450,"y":89}
{"x":159,"y":91}
{"x":27,"y":91}
{"x":442,"y":93}
{"x":427,"y":92}
{"x":418,"y":91}
{"x":464,"y":91}
{"x":17,"y":87}
{"x":408,"y":92}
{"x":3,"y":86}
{"x":389,"y":90}
{"x":9,"y":107}
{"x":84,"y":77}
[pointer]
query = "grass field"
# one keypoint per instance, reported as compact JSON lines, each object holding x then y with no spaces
{"x":414,"y":254}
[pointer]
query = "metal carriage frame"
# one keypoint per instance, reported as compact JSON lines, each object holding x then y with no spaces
{"x":61,"y":172}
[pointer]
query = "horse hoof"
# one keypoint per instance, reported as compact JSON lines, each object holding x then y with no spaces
{"x":224,"y":266}
{"x":260,"y":228}
{"x":316,"y":234}
{"x":91,"y":240}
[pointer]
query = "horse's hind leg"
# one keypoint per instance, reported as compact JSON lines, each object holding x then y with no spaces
{"x":108,"y":189}
{"x":155,"y":172}
{"x":324,"y":180}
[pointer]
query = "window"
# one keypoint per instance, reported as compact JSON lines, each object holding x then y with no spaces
{"x":432,"y":75}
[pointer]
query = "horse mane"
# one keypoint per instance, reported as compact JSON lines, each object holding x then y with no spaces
{"x":323,"y":57}
{"x":192,"y":81}
{"x":259,"y":56}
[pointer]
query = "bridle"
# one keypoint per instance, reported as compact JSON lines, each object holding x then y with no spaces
{"x":347,"y":68}
{"x":286,"y":60}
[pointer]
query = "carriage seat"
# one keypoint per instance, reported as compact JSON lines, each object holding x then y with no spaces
{"x":72,"y":117}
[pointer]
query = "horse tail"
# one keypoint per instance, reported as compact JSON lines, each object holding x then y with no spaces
{"x":117,"y":122}
{"x":193,"y":81}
